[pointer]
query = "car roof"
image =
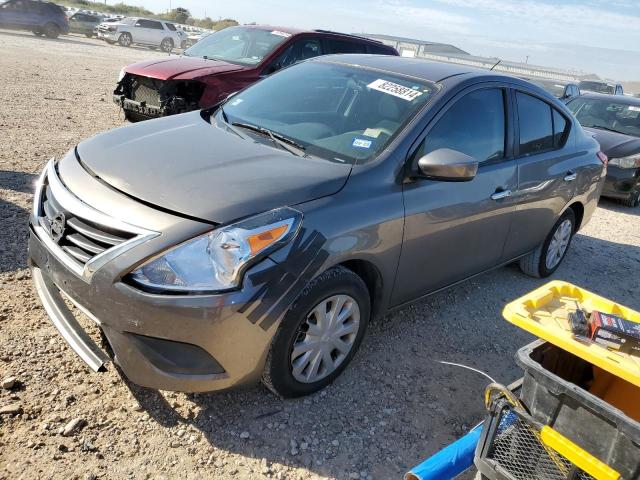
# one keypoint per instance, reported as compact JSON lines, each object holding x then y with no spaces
{"x":415,"y":67}
{"x":624,"y":99}
{"x":298,"y":31}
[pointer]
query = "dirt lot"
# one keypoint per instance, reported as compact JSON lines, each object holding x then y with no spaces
{"x":394,"y":406}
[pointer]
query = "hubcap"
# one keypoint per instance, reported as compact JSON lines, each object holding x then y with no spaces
{"x":166,"y":45}
{"x":559,"y":243}
{"x":125,"y":40}
{"x":325,"y":338}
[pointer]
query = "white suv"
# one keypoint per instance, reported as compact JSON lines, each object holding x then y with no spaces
{"x":143,"y":31}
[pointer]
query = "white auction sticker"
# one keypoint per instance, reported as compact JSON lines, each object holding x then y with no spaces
{"x":400,"y":91}
{"x":280,"y":34}
{"x":633,"y":108}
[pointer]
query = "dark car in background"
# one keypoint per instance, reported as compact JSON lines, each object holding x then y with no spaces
{"x":41,"y":18}
{"x":614,"y":120}
{"x":223,"y":63}
{"x":595,"y":86}
{"x":256,"y":239}
{"x":84,"y":23}
{"x":562,"y":90}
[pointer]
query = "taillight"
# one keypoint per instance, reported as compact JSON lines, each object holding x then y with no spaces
{"x":603,"y":158}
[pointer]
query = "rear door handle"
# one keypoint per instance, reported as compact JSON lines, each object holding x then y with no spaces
{"x":570,"y":176}
{"x":501,"y":194}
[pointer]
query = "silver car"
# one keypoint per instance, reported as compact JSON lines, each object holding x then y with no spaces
{"x":142,"y":31}
{"x":257,"y":239}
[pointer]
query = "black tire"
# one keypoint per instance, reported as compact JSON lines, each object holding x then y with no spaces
{"x":632,"y":200}
{"x":535,"y":263}
{"x":88,"y":35}
{"x":51,"y":30}
{"x":38,"y":33}
{"x":125,"y":39}
{"x":278,"y":376}
{"x":166,"y":45}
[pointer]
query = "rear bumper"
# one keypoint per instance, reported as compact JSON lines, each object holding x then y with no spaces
{"x":181,"y":343}
{"x":621,"y":182}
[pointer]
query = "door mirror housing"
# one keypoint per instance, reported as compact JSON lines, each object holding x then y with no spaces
{"x":448,"y":165}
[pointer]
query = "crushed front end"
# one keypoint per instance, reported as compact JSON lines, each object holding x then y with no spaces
{"x":143,"y":97}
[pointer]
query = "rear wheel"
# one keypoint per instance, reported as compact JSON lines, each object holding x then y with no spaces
{"x":319,"y":335}
{"x":632,"y":200}
{"x":166,"y":45}
{"x":125,"y":39}
{"x":51,"y":30}
{"x":546,"y":259}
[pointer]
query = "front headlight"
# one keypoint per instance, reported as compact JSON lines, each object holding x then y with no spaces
{"x":632,"y":161}
{"x":216,"y":261}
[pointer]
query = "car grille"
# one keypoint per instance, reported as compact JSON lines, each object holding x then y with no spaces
{"x":80,"y":238}
{"x":145,"y":89}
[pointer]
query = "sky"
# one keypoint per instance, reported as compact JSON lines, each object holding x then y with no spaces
{"x":593,"y":36}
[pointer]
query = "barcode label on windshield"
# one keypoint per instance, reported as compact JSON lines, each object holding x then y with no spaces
{"x":400,"y":91}
{"x":280,"y":34}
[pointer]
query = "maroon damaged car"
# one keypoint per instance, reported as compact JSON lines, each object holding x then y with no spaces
{"x":223,"y":63}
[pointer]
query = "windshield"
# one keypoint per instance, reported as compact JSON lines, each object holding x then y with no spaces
{"x":246,"y":46}
{"x":597,"y":87}
{"x":344,"y":114}
{"x":603,"y":113}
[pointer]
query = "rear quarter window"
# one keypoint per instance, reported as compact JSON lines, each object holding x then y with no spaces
{"x":171,"y":26}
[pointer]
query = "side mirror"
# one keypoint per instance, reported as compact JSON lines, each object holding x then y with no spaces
{"x":448,"y":165}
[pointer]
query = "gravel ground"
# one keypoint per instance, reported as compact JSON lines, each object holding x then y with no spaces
{"x":394,"y":405}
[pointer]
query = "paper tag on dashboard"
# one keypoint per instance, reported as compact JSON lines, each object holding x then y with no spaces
{"x":633,"y":108}
{"x":372,"y":132}
{"x":390,"y":88}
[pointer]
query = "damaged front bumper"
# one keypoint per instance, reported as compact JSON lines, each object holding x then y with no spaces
{"x":151,"y":98}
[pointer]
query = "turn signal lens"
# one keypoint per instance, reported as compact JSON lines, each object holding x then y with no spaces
{"x":603,"y":158}
{"x":262,"y":240}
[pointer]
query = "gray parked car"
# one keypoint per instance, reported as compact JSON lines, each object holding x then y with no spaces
{"x":257,"y":239}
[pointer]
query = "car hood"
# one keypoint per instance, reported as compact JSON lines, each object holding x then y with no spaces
{"x":186,"y":165}
{"x":615,"y":145}
{"x":182,"y":68}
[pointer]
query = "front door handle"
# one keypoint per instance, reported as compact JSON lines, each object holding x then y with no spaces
{"x":501,"y":194}
{"x":570,"y":176}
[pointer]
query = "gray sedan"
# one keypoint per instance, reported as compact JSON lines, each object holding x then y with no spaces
{"x":257,"y":239}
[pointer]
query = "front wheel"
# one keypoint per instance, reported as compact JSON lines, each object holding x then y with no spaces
{"x":546,"y":259}
{"x":319,"y":335}
{"x":51,"y":30}
{"x":125,"y":39}
{"x":632,"y":200}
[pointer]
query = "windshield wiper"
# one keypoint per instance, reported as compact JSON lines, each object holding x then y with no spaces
{"x":285,"y":142}
{"x":600,"y":127}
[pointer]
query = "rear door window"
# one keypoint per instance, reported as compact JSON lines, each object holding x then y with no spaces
{"x":149,"y":24}
{"x":536,"y":124}
{"x":345,"y":46}
{"x":474,"y":125}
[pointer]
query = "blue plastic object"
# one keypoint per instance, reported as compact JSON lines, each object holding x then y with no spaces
{"x":448,"y":462}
